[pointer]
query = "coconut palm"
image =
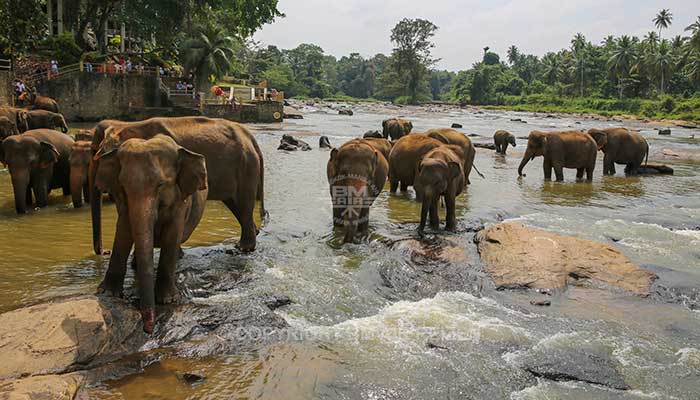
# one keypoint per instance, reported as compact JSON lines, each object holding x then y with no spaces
{"x":663,"y":61}
{"x":622,"y":59}
{"x":651,"y":39}
{"x":578,"y":49}
{"x":208,"y":53}
{"x":513,"y":55}
{"x":663,"y":20}
{"x":551,"y":68}
{"x":694,"y":39}
{"x":692,"y":66}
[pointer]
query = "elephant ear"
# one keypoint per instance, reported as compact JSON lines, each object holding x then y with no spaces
{"x":47,"y":155}
{"x":22,"y":121}
{"x":455,"y":169}
{"x":2,"y":154}
{"x":107,"y":172}
{"x":192,"y":172}
{"x":600,"y":137}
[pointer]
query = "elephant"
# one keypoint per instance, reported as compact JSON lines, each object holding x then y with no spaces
{"x":17,"y":116}
{"x":621,"y":146}
{"x":235,"y":167}
{"x":38,"y":162}
{"x":373,"y":134}
{"x":502,"y":139}
{"x":84,"y":134}
{"x":440,"y":173}
{"x":35,"y":102}
{"x":79,"y":159}
{"x":356,"y":172}
{"x":404,"y":158}
{"x":160,"y":189}
{"x":396,"y":128}
{"x":37,"y":119}
{"x":561,"y":150}
{"x":381,"y":145}
{"x":7,"y":128}
{"x":451,"y":136}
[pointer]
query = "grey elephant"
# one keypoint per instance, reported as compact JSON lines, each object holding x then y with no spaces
{"x":621,"y":146}
{"x":396,"y":128}
{"x":440,"y":173}
{"x":160,"y":190}
{"x":561,"y":150}
{"x":38,"y":162}
{"x":502,"y":139}
{"x":80,"y":157}
{"x":38,"y":119}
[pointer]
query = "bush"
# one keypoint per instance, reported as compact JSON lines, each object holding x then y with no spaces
{"x":404,"y":100}
{"x":667,"y":104}
{"x":63,"y":48}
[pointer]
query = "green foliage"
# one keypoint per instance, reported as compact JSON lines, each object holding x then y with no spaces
{"x":207,"y":53}
{"x":491,"y":58}
{"x":62,"y":48}
{"x":23,"y":26}
{"x":412,"y":56}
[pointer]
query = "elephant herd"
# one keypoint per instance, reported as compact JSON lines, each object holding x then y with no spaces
{"x":160,"y":172}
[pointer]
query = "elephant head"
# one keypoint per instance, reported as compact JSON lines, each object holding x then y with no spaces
{"x":536,"y":143}
{"x":351,"y":171}
{"x":30,"y":162}
{"x":22,"y":121}
{"x":511,"y":140}
{"x":7,"y":128}
{"x":600,"y":137}
{"x":80,"y":156}
{"x":433,"y":176}
{"x":149,"y":178}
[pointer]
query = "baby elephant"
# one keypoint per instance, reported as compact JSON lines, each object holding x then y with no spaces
{"x":160,"y":190}
{"x":502,"y":139}
{"x":80,"y":157}
{"x":440,"y":173}
{"x":38,"y":119}
{"x":357,"y":173}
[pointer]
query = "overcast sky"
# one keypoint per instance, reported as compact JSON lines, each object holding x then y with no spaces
{"x":466,"y":26}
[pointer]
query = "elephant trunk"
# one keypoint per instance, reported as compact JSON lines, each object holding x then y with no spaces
{"x":350,"y":225}
{"x":142,"y":221}
{"x":20,"y":184}
{"x":526,"y":158}
{"x":64,"y":126}
{"x":78,"y":179}
{"x":96,"y":210}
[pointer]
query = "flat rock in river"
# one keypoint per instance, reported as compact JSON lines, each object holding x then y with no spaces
{"x":518,"y":256}
{"x":48,"y":387}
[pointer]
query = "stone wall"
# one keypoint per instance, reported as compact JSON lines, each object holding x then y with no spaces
{"x":6,"y":90}
{"x":261,"y":111}
{"x":87,"y":96}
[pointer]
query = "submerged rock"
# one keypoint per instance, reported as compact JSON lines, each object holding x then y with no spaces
{"x":489,"y":146}
{"x":456,"y":126}
{"x":682,"y":155}
{"x":290,"y":143}
{"x":665,"y":131}
{"x":324,"y":143}
{"x":292,"y":113}
{"x":346,"y":111}
{"x":373,"y":134}
{"x":655,"y":169}
{"x":520,"y":257}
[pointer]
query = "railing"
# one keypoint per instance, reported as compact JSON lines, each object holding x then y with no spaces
{"x":5,"y":65}
{"x":181,"y":92}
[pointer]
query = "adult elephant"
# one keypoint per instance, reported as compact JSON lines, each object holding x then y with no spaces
{"x":7,"y":128}
{"x":17,"y":116}
{"x":356,"y":173}
{"x":234,"y":164}
{"x":36,"y":102}
{"x":451,"y":136}
{"x":381,"y":145}
{"x":80,"y":157}
{"x":404,"y":157}
{"x":561,"y":150}
{"x":621,"y":146}
{"x":396,"y":128}
{"x":38,"y":162}
{"x":38,"y":119}
{"x":160,"y":190}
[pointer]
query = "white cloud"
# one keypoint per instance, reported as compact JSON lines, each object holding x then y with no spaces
{"x":466,"y":26}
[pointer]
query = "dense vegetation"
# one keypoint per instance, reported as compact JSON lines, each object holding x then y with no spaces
{"x":652,"y":76}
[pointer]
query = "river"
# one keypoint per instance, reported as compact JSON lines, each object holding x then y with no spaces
{"x":365,"y":339}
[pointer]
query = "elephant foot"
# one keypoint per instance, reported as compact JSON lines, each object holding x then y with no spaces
{"x":149,"y":320}
{"x":168,"y":294}
{"x":451,"y":228}
{"x":110,"y":289}
{"x":247,"y":246}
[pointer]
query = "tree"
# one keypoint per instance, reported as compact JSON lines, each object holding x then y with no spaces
{"x":24,"y":25}
{"x":663,"y":20}
{"x":694,"y":40}
{"x":513,"y":55}
{"x":578,"y":49}
{"x":412,"y":53}
{"x":621,"y":60}
{"x":207,"y":53}
{"x":551,"y":67}
{"x":663,"y":62}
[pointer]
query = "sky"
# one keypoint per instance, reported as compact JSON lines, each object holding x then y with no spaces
{"x":467,"y":26}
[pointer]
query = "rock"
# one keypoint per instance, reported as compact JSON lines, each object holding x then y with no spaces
{"x":518,"y":120}
{"x":519,"y":257}
{"x":373,"y":134}
{"x":47,"y":387}
{"x":473,"y":135}
{"x":687,"y":125}
{"x":665,"y":131}
{"x":346,"y":111}
{"x":654,"y":168}
{"x":191,"y":379}
{"x":290,"y":143}
{"x":583,"y":364}
{"x":541,"y":303}
{"x":56,"y":337}
{"x":324,"y":143}
{"x":292,"y":113}
{"x":678,"y":154}
{"x":489,"y":146}
{"x":456,"y":126}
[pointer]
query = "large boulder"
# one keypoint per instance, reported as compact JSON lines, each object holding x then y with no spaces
{"x":66,"y":335}
{"x":518,"y":256}
{"x":49,"y":387}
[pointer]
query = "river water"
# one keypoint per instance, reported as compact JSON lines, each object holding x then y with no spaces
{"x":361,"y":337}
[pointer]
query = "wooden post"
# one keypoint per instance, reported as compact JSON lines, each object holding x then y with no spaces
{"x":49,"y":13}
{"x":122,"y":35}
{"x":105,"y":33}
{"x":59,"y":15}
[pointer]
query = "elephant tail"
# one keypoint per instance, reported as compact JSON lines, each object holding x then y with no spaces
{"x":264,"y":215}
{"x":478,"y":172}
{"x":646,"y":163}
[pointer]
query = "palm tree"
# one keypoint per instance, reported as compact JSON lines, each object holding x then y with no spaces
{"x":663,"y":20}
{"x":578,"y":48}
{"x":207,"y":53}
{"x":551,"y":68}
{"x":692,"y":66}
{"x":663,"y":61}
{"x":651,"y":39}
{"x":621,"y":59}
{"x":513,"y":55}
{"x":694,"y":40}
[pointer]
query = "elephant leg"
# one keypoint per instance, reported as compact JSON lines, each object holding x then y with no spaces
{"x":28,"y":200}
{"x":608,"y":165}
{"x":505,"y":149}
{"x":451,"y":217}
{"x":579,"y":173}
{"x":589,"y":172}
{"x":393,"y":185}
{"x":337,"y":215}
{"x":434,"y":217}
{"x":363,"y":222}
{"x":113,"y":282}
{"x":404,"y":187}
{"x":165,"y":288}
{"x":547,"y":166}
{"x":41,"y":193}
{"x":559,"y":171}
{"x":244,"y":215}
{"x":86,"y":193}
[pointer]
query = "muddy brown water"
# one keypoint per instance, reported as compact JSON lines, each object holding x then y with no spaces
{"x":364,"y":340}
